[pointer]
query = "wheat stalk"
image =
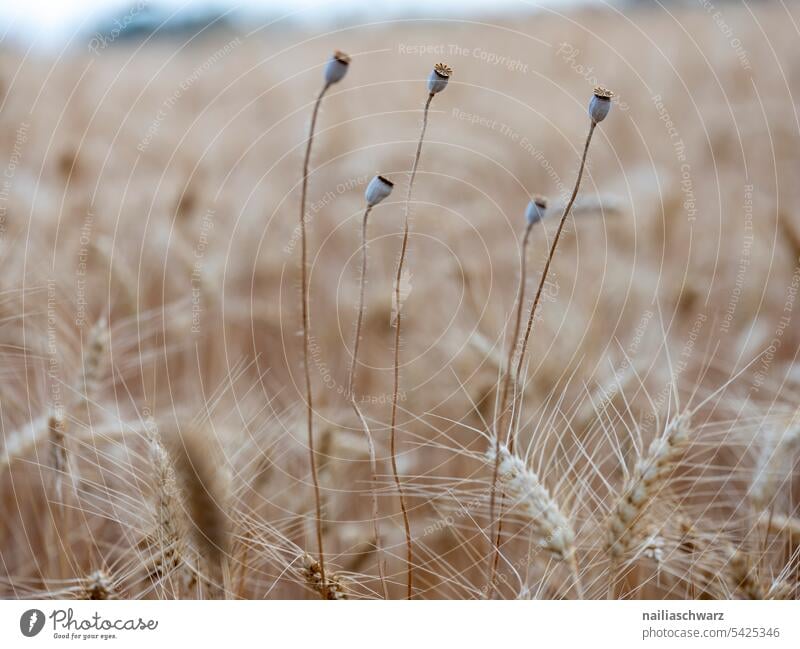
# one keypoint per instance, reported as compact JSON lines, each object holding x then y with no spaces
{"x":170,"y":529}
{"x":59,"y":464}
{"x":205,"y":493}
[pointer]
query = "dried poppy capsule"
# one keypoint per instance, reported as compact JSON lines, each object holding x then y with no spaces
{"x":600,"y":104}
{"x":536,"y":210}
{"x":440,"y":75}
{"x":378,"y":189}
{"x":336,"y":67}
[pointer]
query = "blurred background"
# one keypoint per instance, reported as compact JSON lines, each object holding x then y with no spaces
{"x":167,"y":123}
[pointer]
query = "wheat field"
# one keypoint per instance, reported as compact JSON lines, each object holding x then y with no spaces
{"x":153,"y":403}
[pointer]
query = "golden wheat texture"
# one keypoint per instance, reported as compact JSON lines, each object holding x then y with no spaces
{"x":152,"y":402}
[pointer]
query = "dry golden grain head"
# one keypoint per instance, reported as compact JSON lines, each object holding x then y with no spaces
{"x":335,"y":584}
{"x":93,"y":360}
{"x":644,"y":484}
{"x":552,"y":528}
{"x":743,"y":575}
{"x":56,"y":429}
{"x":98,"y":585}
{"x":205,"y":490}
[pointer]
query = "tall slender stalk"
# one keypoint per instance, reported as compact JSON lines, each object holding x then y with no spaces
{"x":60,"y":468}
{"x":360,"y":317}
{"x":512,"y":347}
{"x":305,"y":329}
{"x":499,"y":419}
{"x":494,"y":558}
{"x":437,"y":82}
{"x":398,"y":320}
{"x":551,"y":254}
{"x":334,"y":71}
{"x":354,"y":402}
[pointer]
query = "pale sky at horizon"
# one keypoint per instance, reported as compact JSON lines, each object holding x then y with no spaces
{"x":51,"y":22}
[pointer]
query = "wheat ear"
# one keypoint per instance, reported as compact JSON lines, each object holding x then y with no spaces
{"x":98,"y":585}
{"x":170,"y":530}
{"x":56,"y":428}
{"x":548,"y":523}
{"x":334,"y":588}
{"x":205,"y":493}
{"x":639,"y":490}
{"x":93,"y":358}
{"x":743,"y":575}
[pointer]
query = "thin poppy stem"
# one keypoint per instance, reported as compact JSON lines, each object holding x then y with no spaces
{"x":494,"y":558}
{"x":395,"y":390}
{"x":512,"y":346}
{"x":567,"y":210}
{"x":351,"y":384}
{"x":306,"y":338}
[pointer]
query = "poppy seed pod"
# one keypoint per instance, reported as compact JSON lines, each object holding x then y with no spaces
{"x":336,"y":67}
{"x":536,"y":210}
{"x":440,"y":75}
{"x":378,"y":189}
{"x":600,"y":104}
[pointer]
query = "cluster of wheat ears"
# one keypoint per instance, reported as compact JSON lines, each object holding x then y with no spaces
{"x":587,"y":505}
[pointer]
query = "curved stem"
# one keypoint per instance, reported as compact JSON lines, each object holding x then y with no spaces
{"x":395,"y":389}
{"x":360,"y":317}
{"x":354,"y":402}
{"x":576,"y":576}
{"x":499,"y":420}
{"x":526,"y":338}
{"x":305,"y":329}
{"x":613,"y":573}
{"x":552,"y":253}
{"x":517,"y":324}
